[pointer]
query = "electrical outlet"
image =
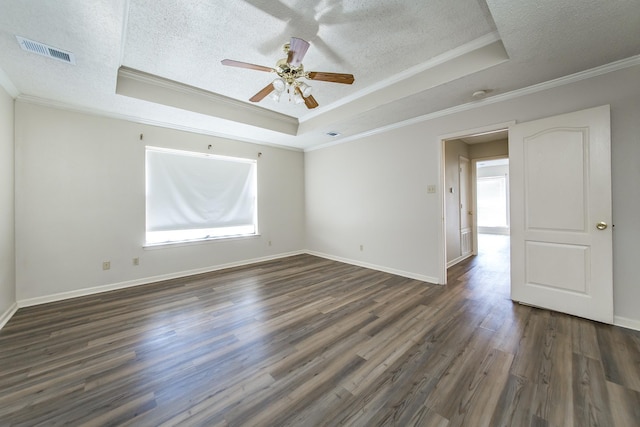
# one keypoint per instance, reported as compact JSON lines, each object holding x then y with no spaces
{"x":361,"y":248}
{"x":136,"y":261}
{"x":106,"y":265}
{"x":269,"y":242}
{"x":431,"y":188}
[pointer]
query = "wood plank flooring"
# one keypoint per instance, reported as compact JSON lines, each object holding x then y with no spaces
{"x":306,"y":341}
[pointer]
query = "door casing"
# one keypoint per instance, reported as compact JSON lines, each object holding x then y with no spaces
{"x":442,"y":236}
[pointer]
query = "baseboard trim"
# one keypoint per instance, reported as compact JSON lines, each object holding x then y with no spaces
{"x":407,"y":274}
{"x":625,"y":322}
{"x":459,"y":259}
{"x":153,"y":279}
{"x":8,"y":314}
{"x":144,"y":281}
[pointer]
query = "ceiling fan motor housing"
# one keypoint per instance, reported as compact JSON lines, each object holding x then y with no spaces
{"x":289,"y":73}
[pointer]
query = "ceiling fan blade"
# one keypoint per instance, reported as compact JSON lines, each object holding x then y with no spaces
{"x":309,"y":101}
{"x":297,"y":50}
{"x":232,"y":63}
{"x":260,"y":95}
{"x":332,"y":77}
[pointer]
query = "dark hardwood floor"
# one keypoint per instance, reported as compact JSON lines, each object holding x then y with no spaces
{"x":306,"y":341}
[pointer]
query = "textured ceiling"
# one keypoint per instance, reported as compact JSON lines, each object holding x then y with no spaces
{"x":185,"y":41}
{"x":409,"y":58}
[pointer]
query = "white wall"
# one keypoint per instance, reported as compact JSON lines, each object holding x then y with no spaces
{"x":7,"y":235}
{"x":373,"y":193}
{"x":80,"y":187}
{"x":489,"y":149}
{"x":373,"y":190}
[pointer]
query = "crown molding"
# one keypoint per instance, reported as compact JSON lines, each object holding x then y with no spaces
{"x":460,"y":63}
{"x":550,"y":84}
{"x":409,"y":73}
{"x":141,"y":76}
{"x":134,"y":119}
{"x":148,"y":87}
{"x":572,"y":78}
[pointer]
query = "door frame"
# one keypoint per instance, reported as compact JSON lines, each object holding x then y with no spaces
{"x":442,"y":233}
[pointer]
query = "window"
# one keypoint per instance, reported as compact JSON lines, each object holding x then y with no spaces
{"x":194,"y":196}
{"x":492,"y":202}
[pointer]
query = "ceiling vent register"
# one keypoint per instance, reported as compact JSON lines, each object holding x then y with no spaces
{"x":45,"y":50}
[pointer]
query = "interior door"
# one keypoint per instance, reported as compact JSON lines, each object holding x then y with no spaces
{"x":466,"y":230}
{"x":561,"y":237}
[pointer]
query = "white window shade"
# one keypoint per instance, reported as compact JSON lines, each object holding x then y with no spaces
{"x":193,"y":196}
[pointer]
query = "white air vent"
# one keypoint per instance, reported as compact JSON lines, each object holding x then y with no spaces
{"x":44,"y":50}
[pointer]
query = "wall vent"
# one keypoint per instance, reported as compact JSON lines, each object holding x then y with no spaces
{"x":45,"y":50}
{"x":465,"y":242}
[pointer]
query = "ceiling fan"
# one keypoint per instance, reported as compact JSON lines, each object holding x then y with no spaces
{"x":290,"y":71}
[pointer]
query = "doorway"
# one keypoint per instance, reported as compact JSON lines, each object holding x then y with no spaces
{"x":462,"y":235}
{"x":560,"y":197}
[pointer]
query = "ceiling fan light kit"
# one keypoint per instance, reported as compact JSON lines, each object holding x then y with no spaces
{"x":279,"y":85}
{"x":291,"y":90}
{"x":290,"y":70}
{"x":305,"y":89}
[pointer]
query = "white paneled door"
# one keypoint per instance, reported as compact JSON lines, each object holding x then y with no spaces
{"x":561,"y":232}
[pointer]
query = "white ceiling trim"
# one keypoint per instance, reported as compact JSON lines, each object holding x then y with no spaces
{"x":135,"y":119}
{"x":594,"y":72}
{"x":572,"y":78}
{"x":409,"y":73}
{"x":482,"y":53}
{"x":141,"y":85}
{"x":184,"y":42}
{"x":444,"y":72}
{"x":561,"y":81}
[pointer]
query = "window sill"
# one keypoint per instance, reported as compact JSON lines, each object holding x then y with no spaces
{"x":164,"y":245}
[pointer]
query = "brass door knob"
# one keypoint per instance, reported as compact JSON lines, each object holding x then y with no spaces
{"x":601,"y":225}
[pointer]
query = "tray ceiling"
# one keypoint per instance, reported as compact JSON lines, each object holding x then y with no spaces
{"x":409,"y":58}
